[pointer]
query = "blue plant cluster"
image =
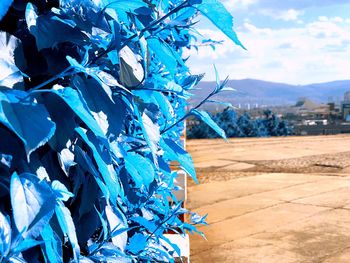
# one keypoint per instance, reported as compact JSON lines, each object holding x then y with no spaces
{"x":242,"y":126}
{"x":92,"y":103}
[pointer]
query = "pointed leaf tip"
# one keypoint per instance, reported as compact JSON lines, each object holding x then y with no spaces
{"x":219,"y":16}
{"x":4,"y":7}
{"x":204,"y":116}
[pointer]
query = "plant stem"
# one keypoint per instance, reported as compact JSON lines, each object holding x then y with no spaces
{"x":189,"y":113}
{"x":161,"y":223}
{"x":61,"y":75}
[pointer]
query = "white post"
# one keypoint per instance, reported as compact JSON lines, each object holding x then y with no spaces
{"x":183,"y":242}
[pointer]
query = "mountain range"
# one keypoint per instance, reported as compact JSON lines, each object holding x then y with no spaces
{"x":267,"y":93}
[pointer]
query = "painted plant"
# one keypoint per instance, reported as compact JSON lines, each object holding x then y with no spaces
{"x":92,"y":103}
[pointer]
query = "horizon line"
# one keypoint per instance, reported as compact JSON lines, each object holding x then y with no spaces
{"x":279,"y":82}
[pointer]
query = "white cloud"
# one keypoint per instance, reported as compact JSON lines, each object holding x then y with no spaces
{"x":286,"y":15}
{"x":299,"y":4}
{"x":290,"y":15}
{"x":338,"y":19}
{"x":316,"y":52}
{"x":323,"y":18}
{"x":255,"y":30}
{"x":335,"y":19}
{"x":238,"y":4}
{"x":327,"y":29}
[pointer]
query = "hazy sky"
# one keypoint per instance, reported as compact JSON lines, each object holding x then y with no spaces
{"x":291,"y":41}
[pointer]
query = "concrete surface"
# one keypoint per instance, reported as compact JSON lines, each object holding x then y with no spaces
{"x":258,"y":212}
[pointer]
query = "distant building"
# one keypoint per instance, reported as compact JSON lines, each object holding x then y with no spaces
{"x":347,"y":96}
{"x":331,"y":106}
{"x":345,"y":107}
{"x":306,"y":107}
{"x":314,"y":122}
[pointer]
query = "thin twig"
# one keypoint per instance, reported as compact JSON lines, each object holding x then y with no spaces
{"x":142,"y":31}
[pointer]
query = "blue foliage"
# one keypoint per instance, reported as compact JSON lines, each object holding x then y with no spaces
{"x":4,"y":7}
{"x":33,"y":203}
{"x":93,"y":95}
{"x":20,"y":117}
{"x":174,"y":152}
{"x":9,"y":73}
{"x":217,"y":13}
{"x":241,"y":126}
{"x":205,"y":117}
{"x":5,"y":236}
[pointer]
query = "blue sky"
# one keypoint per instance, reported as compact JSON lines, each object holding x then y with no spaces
{"x":291,"y":41}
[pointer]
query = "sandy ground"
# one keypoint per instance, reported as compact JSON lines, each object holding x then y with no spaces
{"x":272,"y":200}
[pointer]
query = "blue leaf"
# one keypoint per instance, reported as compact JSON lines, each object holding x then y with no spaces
{"x":107,"y":171}
{"x":140,"y":169}
{"x":33,"y":203}
{"x":61,"y":191}
{"x":64,"y":126}
{"x":9,"y":73}
{"x":228,"y":89}
{"x":83,"y":259}
{"x":26,"y":244}
{"x":172,"y":86}
{"x":30,"y":121}
{"x":12,"y":146}
{"x":124,"y":5}
{"x":66,"y":160}
{"x":150,"y":131}
{"x":15,"y":259}
{"x":185,"y":13}
{"x":6,"y":160}
{"x":77,"y":103}
{"x":131,"y":70}
{"x":87,"y":223}
{"x":219,"y":16}
{"x":137,"y":243}
{"x":119,"y":9}
{"x":50,"y":30}
{"x":217,"y":79}
{"x":173,"y":152}
{"x":53,"y":245}
{"x":171,"y":244}
{"x":226,"y":104}
{"x":5,"y":236}
{"x":116,"y":221}
{"x":31,"y":15}
{"x":204,"y":116}
{"x":150,"y":225}
{"x":197,"y":219}
{"x":4,"y":7}
{"x":109,"y":114}
{"x":164,"y":105}
{"x":76,"y":65}
{"x":111,"y":254}
{"x":88,"y":195}
{"x":192,"y":229}
{"x":104,"y":225}
{"x":105,"y":79}
{"x":87,"y":165}
{"x":165,"y":54}
{"x":67,"y":225}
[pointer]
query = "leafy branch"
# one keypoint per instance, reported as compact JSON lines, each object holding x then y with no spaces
{"x":142,"y":31}
{"x":218,"y":88}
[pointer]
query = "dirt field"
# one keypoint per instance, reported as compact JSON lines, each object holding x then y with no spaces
{"x":272,"y":200}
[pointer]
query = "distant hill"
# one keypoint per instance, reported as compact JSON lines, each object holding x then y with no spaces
{"x":272,"y":94}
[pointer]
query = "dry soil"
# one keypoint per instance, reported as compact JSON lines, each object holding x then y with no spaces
{"x":272,"y":199}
